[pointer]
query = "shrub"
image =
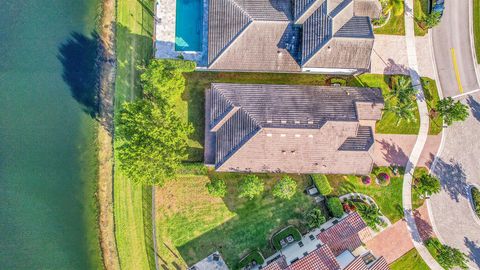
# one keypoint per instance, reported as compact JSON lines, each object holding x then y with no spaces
{"x":283,"y":234}
{"x":285,"y":188}
{"x":370,"y":214}
{"x":446,"y":256}
{"x":322,"y":184}
{"x":476,"y":200}
{"x":366,"y":180}
{"x":217,"y":187}
{"x":451,"y":110}
{"x":427,"y":184}
{"x":315,"y":218}
{"x":383,"y":179}
{"x":335,"y":207}
{"x":251,"y":187}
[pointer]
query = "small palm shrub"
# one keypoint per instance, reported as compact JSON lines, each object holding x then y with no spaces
{"x":315,"y":218}
{"x":335,"y":207}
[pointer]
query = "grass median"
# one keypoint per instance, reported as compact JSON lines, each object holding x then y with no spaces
{"x":134,"y":48}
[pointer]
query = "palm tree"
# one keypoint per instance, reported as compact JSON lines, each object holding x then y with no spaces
{"x":370,"y":214}
{"x":396,"y":6}
{"x":402,"y":111}
{"x":403,"y":90}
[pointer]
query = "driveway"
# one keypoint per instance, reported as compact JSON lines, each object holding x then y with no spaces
{"x":453,"y":33}
{"x":458,"y":166}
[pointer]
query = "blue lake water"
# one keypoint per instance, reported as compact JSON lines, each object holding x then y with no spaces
{"x":188,"y":28}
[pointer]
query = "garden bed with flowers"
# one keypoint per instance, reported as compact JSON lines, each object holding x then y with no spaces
{"x":387,"y":193}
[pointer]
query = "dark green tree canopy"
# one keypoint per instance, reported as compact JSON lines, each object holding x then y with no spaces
{"x":251,"y":187}
{"x":153,"y":141}
{"x":427,"y":184}
{"x":285,"y":188}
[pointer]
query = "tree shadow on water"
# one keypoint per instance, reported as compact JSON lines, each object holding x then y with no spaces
{"x":79,"y":56}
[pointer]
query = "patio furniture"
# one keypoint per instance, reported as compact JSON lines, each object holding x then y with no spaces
{"x":290,"y":239}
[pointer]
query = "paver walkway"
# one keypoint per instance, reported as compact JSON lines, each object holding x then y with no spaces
{"x":421,"y":139}
{"x":394,"y":242}
{"x":395,"y":148}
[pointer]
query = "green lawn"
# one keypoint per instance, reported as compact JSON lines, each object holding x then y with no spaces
{"x":134,"y":48}
{"x":420,"y":10}
{"x":191,"y":104}
{"x":389,"y":198}
{"x":411,"y":261}
{"x":192,"y":224}
{"x":476,"y":27}
{"x":394,"y":26}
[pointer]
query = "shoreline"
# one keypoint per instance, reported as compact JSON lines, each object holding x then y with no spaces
{"x":107,"y":67}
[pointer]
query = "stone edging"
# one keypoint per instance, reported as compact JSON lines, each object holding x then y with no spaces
{"x":368,"y":200}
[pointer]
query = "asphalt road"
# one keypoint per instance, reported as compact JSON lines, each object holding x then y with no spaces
{"x":458,"y":166}
{"x":453,"y":33}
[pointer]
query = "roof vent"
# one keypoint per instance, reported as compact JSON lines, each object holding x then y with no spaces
{"x":283,"y":135}
{"x":284,"y":152}
{"x":310,"y":136}
{"x":293,"y":152}
{"x":297,"y":135}
{"x":310,"y":122}
{"x":297,"y":122}
{"x":269,"y":121}
{"x":269,"y":134}
{"x":283,"y":121}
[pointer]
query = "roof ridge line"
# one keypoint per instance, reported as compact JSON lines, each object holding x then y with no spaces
{"x":241,"y":9}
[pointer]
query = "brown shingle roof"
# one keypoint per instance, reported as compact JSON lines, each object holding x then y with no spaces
{"x":321,"y":258}
{"x":380,"y":264}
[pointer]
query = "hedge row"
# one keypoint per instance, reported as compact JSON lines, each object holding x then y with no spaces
{"x":322,"y":184}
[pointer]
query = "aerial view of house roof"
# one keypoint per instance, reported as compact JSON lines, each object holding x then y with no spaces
{"x":284,"y":35}
{"x":352,"y":231}
{"x":291,"y":128}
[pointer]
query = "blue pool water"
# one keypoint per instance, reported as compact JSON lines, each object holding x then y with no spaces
{"x":188,"y":28}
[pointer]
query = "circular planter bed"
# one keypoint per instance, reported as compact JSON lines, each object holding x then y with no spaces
{"x":383,"y":179}
{"x":366,"y":180}
{"x":254,"y":258}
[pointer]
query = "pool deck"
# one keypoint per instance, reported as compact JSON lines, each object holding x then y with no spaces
{"x":165,"y":33}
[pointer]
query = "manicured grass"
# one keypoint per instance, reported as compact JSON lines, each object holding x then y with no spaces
{"x":420,"y":11}
{"x":431,"y":96}
{"x":191,"y":104}
{"x":394,"y":26}
{"x":388,"y":198}
{"x":476,"y":27}
{"x":134,"y":48}
{"x":191,"y":224}
{"x":388,"y":123}
{"x":411,"y":261}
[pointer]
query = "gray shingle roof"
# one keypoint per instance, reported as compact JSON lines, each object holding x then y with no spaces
{"x":300,"y":6}
{"x":317,"y":31}
{"x":240,"y":112}
{"x":356,"y":27}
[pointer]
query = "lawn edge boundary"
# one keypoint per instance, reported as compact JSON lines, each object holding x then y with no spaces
{"x":107,"y":64}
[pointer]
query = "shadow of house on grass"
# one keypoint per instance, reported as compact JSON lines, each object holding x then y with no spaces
{"x":452,"y":178}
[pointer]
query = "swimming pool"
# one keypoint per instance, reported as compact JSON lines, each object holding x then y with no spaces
{"x":188,"y":25}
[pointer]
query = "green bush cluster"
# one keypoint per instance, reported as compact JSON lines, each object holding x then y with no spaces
{"x":335,"y":207}
{"x":283,"y":234}
{"x":251,"y":187}
{"x":285,"y":188}
{"x":217,"y":187}
{"x":476,"y":200}
{"x":322,"y":184}
{"x":448,"y":257}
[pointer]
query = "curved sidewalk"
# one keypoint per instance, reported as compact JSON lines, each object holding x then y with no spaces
{"x":421,"y":139}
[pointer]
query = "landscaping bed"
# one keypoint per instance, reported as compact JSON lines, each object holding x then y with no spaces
{"x":395,"y":24}
{"x":192,"y":224}
{"x":285,"y":237}
{"x":475,"y":192}
{"x":476,"y":27}
{"x":420,"y":11}
{"x":253,"y":258}
{"x":411,"y":261}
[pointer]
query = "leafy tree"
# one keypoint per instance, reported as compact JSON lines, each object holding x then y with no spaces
{"x":321,"y":182}
{"x":369,"y":213}
{"x":448,"y":257}
{"x":427,"y":184}
{"x":315,"y":218}
{"x":153,"y":141}
{"x":251,"y":187}
{"x":402,"y":111}
{"x":432,"y":19}
{"x":335,"y":207}
{"x":403,"y":90}
{"x":217,"y":187}
{"x":285,"y":188}
{"x":163,"y":79}
{"x":452,"y":111}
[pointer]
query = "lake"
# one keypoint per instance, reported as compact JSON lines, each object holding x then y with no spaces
{"x":48,"y":164}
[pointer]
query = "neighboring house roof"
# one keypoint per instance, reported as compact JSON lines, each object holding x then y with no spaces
{"x":276,"y":35}
{"x":283,"y":127}
{"x":321,"y":258}
{"x":346,"y":235}
{"x":380,"y":264}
